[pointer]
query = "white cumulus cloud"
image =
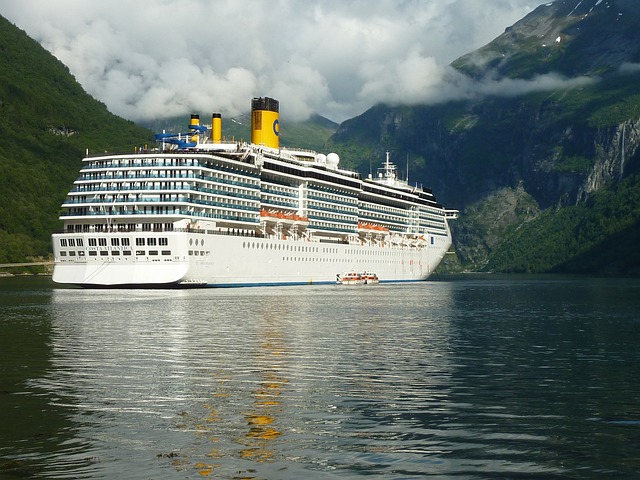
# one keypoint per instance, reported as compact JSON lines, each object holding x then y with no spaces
{"x":159,"y":58}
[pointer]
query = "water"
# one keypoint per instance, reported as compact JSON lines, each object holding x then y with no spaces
{"x":466,"y":378}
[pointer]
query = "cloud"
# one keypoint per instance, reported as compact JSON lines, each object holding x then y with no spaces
{"x":629,"y":68}
{"x":463,"y":87}
{"x":159,"y":58}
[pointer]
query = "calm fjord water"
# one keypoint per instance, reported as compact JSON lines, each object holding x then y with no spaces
{"x":473,"y":377}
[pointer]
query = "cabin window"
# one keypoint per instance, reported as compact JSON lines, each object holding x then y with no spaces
{"x":63,"y":242}
{"x":140,"y":242}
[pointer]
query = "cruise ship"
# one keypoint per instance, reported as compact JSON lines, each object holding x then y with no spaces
{"x":200,"y":211}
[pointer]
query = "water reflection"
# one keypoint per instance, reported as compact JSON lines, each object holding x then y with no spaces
{"x":266,"y":406}
{"x":257,"y":397}
{"x":481,"y":379}
{"x":35,"y":432}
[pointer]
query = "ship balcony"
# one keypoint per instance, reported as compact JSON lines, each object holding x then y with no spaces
{"x":165,"y":202}
{"x":270,"y":203}
{"x":174,"y":214}
{"x":92,"y":177}
{"x":352,"y":212}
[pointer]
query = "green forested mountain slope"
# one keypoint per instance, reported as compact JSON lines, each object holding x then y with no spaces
{"x":599,"y":236}
{"x":47,"y":122}
{"x":536,"y":170}
{"x":547,"y":180}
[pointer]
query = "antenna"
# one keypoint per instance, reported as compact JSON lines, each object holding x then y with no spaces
{"x":407,"y":167}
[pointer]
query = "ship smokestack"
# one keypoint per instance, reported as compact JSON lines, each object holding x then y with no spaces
{"x":216,"y":128}
{"x":265,"y":125}
{"x":194,"y":121}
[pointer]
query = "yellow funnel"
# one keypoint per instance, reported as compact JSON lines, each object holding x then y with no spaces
{"x":195,"y":120}
{"x":265,"y":125}
{"x":216,"y":128}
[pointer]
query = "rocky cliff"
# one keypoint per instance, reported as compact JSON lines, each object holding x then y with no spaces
{"x":568,"y":128}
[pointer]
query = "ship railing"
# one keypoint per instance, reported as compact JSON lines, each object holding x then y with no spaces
{"x":296,"y":161}
{"x":353,"y":212}
{"x":254,"y":219}
{"x":177,"y":176}
{"x":271,"y":191}
{"x":166,"y":189}
{"x":110,"y":202}
{"x":123,"y":188}
{"x":331,"y":201}
{"x":120,"y":229}
{"x":333,"y":229}
{"x":140,"y":160}
{"x":237,"y":232}
{"x":134,"y":177}
{"x":269,"y":202}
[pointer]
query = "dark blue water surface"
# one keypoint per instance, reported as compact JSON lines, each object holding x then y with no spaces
{"x":468,"y":378}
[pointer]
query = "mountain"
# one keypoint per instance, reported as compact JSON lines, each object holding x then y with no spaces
{"x":543,"y":160}
{"x":569,"y":37}
{"x":47,"y":123}
{"x":549,"y":139}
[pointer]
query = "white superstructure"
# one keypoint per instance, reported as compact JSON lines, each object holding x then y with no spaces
{"x":203,"y":212}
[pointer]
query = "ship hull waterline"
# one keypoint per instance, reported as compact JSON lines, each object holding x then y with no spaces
{"x":232,"y":261}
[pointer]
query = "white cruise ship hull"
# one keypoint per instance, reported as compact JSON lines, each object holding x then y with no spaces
{"x":198,"y":260}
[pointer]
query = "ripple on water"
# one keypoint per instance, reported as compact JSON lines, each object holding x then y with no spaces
{"x":469,"y":379}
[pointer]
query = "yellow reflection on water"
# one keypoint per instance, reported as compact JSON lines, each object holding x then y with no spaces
{"x":262,"y":417}
{"x":257,"y":437}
